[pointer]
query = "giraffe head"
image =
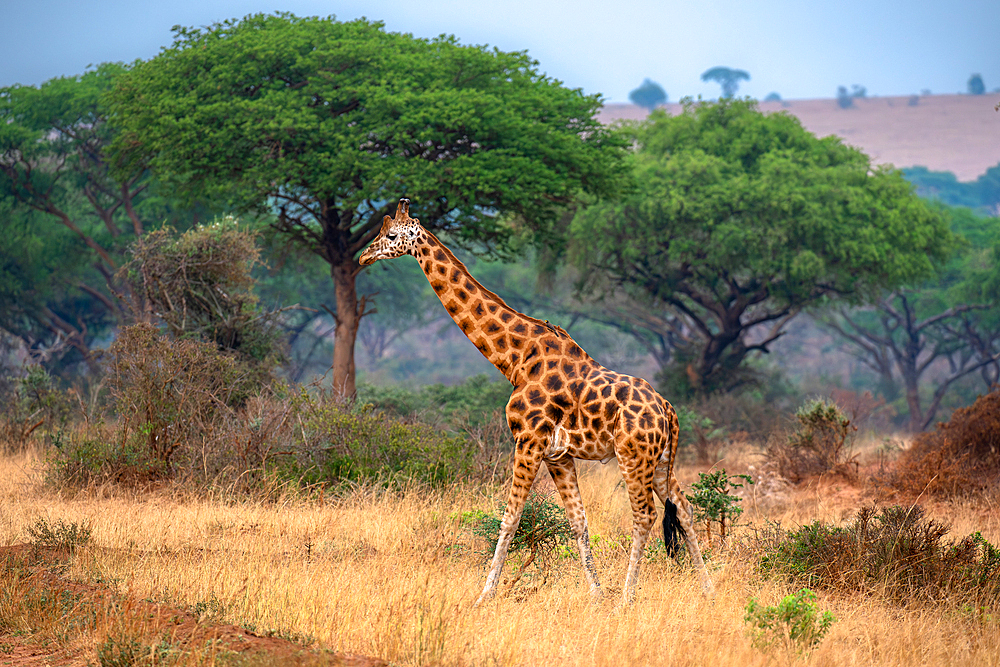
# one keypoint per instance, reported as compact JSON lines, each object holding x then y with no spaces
{"x":399,"y":236}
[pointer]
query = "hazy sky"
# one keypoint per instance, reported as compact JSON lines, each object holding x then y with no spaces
{"x":798,"y":48}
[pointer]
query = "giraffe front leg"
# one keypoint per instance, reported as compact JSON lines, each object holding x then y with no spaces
{"x":525,"y":469}
{"x":563,"y":471}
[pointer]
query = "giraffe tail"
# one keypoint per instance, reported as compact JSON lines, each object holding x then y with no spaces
{"x":673,"y":532}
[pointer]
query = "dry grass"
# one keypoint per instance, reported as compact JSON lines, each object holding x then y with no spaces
{"x":395,"y":576}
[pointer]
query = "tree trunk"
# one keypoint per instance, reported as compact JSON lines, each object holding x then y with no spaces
{"x":348,"y":317}
{"x":913,"y":402}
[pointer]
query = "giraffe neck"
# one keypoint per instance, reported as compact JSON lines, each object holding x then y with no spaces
{"x":504,"y":336}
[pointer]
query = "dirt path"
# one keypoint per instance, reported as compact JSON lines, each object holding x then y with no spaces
{"x":31,"y":579}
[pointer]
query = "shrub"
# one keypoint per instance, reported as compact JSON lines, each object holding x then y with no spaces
{"x":714,"y":504}
{"x":33,"y":406}
{"x":752,"y":415}
{"x":88,"y":460}
{"x":58,"y":534}
{"x":471,"y":404}
{"x":200,"y":284}
{"x":341,"y":443}
{"x":960,"y":457}
{"x":172,"y":397}
{"x":540,"y":536}
{"x":795,"y":622}
{"x":893,"y":552}
{"x":820,"y":444}
{"x":168,"y":393}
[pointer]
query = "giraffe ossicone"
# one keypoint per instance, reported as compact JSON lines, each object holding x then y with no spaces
{"x":565,"y":406}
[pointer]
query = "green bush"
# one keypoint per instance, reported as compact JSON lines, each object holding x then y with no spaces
{"x":58,"y":534}
{"x":469,"y":404}
{"x":541,"y":537}
{"x":894,"y":552}
{"x":794,"y":623}
{"x":339,"y":443}
{"x":713,"y":502}
{"x":820,"y":444}
{"x":96,"y":460}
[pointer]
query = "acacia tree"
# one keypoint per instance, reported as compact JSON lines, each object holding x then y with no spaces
{"x":55,"y":177}
{"x":937,"y":333}
{"x":327,"y":124}
{"x":649,"y":95}
{"x":726,"y":77}
{"x":739,"y":221}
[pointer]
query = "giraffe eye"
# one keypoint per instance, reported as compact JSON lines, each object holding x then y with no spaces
{"x":391,"y":237}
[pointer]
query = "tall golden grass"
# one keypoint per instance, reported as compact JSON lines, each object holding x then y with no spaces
{"x":395,"y":576}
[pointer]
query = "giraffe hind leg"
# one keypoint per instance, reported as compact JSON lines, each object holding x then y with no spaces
{"x":643,"y":517}
{"x":685,"y":517}
{"x":679,"y":518}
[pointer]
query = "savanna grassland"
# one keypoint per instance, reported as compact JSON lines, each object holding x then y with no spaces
{"x":393,"y":575}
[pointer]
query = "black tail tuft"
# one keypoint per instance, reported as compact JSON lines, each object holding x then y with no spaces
{"x":672,"y":531}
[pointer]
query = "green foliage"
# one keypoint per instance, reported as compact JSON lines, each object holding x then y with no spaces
{"x":953,"y":315}
{"x":649,"y":95}
{"x":58,"y":534}
{"x":70,"y":219}
{"x":95,"y":459}
{"x":41,"y":269}
{"x":713,"y":501}
{"x":795,"y":622}
{"x":469,"y":404}
{"x":341,"y":444}
{"x":740,"y":220}
{"x":541,"y":537}
{"x":358,"y":114}
{"x":893,"y":552}
{"x":726,"y":77}
{"x":983,"y":194}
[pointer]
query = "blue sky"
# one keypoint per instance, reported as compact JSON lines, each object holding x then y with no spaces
{"x":798,"y":48}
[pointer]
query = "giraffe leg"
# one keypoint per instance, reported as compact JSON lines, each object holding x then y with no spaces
{"x":668,"y":490}
{"x":563,"y":471}
{"x":640,"y":494}
{"x":525,"y":469}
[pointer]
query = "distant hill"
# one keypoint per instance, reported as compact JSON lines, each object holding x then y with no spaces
{"x":956,"y":133}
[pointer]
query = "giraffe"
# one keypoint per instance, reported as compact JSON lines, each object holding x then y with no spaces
{"x":564,"y":406}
